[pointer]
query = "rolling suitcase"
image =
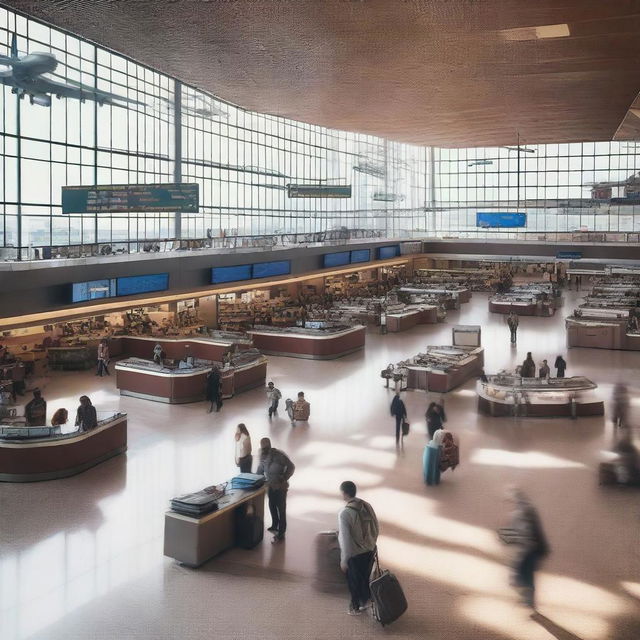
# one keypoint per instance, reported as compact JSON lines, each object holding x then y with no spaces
{"x":387,"y":596}
{"x":249,"y":528}
{"x":328,"y":576}
{"x":431,"y":464}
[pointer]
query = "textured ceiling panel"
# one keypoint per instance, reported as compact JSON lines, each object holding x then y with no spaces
{"x":434,"y":72}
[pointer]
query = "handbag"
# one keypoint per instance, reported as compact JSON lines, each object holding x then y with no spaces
{"x":405,"y":428}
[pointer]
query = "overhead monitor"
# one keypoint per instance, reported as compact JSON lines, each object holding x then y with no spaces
{"x":269,"y":269}
{"x":123,"y":198}
{"x":93,"y":290}
{"x":132,"y":285}
{"x":491,"y":220}
{"x":391,"y":251}
{"x":336,"y":259}
{"x":230,"y":274}
{"x":361,"y":255}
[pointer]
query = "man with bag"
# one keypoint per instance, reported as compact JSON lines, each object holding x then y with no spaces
{"x":358,"y":535}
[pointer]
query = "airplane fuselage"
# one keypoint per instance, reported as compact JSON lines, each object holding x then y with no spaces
{"x":27,"y":69}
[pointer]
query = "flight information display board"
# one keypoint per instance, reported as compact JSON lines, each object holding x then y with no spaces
{"x":336,"y":259}
{"x":230,"y":274}
{"x":266,"y":269}
{"x":500,"y":220}
{"x":319,"y":190}
{"x":123,"y":198}
{"x":93,"y":290}
{"x":361,"y":255}
{"x":131,"y":285}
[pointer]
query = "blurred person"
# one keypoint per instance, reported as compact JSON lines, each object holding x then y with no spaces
{"x":157,"y":353}
{"x":525,"y":533}
{"x":86,"y":417}
{"x":620,"y":405}
{"x":436,"y":418}
{"x":277,"y":468}
{"x":528,"y":367}
{"x":561,"y":366}
{"x":35,"y":410}
{"x":399,"y":412}
{"x":60,"y":417}
{"x":544,"y":371}
{"x":214,"y":389}
{"x":298,"y":410}
{"x":273,"y":396}
{"x":244,"y":459}
{"x":357,"y":535}
{"x":513,"y":322}
{"x":627,"y":466}
{"x":103,"y":359}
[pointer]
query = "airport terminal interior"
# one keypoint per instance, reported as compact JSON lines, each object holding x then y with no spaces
{"x":319,"y":319}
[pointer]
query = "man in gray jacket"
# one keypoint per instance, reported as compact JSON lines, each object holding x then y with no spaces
{"x":357,"y":535}
{"x":277,"y":468}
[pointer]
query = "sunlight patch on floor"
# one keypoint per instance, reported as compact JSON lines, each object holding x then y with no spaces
{"x":522,"y":460}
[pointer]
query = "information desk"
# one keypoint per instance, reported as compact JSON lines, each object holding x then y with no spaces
{"x":60,"y":455}
{"x":511,"y":395}
{"x":193,"y":541}
{"x":150,"y":381}
{"x":601,"y":333}
{"x":316,"y":344}
{"x":176,"y":348}
{"x":411,"y":317}
{"x":443,"y":368}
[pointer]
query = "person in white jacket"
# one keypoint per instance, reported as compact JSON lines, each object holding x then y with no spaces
{"x":357,"y":535}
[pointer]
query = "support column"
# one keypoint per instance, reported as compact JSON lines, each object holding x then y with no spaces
{"x":432,"y":177}
{"x":177,"y":150}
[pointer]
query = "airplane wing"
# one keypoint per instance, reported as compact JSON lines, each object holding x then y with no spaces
{"x":46,"y":85}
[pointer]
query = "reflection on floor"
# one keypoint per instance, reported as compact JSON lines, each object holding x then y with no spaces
{"x":82,"y":557}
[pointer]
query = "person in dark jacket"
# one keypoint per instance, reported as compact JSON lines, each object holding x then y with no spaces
{"x":513,"y":322}
{"x":528,"y":367}
{"x":561,"y":366}
{"x":35,"y":410}
{"x":214,"y":391}
{"x":277,"y":468}
{"x":435,"y":418}
{"x":399,"y":411}
{"x":86,"y":417}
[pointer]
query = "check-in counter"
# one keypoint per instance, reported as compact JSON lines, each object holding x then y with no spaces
{"x":510,"y":395}
{"x":602,"y":329}
{"x":316,"y":344}
{"x":176,"y":348}
{"x":408,"y":319}
{"x":28,"y":454}
{"x":499,"y":304}
{"x":150,"y":381}
{"x":193,"y":541}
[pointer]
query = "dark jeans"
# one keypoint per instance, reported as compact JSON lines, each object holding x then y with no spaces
{"x":525,"y":570}
{"x":278,"y":510}
{"x":398,"y":428}
{"x":560,"y":373}
{"x":358,"y":573}
{"x":102,"y":368}
{"x":514,"y":335}
{"x":245,"y":464}
{"x":274,"y":406}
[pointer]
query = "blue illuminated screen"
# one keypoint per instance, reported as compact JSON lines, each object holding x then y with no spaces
{"x":498,"y":220}
{"x":131,"y":285}
{"x":230,"y":274}
{"x":384,"y":253}
{"x":266,"y":269}
{"x":336,"y":259}
{"x":93,"y":290}
{"x":361,"y":255}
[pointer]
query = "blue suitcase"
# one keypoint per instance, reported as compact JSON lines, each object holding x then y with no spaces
{"x":431,"y":464}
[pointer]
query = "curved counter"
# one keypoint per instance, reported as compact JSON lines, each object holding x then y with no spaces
{"x":149,"y":381}
{"x":199,"y":347}
{"x":407,"y":319}
{"x":64,"y":455}
{"x":316,"y":344}
{"x":510,"y":395}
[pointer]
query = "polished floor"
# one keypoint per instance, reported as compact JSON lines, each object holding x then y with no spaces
{"x":82,"y":557}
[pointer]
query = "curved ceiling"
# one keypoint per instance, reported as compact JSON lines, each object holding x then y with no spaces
{"x":432,"y":72}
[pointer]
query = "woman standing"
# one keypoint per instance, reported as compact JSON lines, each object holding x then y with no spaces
{"x":244,"y":459}
{"x":86,"y":418}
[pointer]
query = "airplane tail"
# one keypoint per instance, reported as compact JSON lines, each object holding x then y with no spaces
{"x":14,"y":45}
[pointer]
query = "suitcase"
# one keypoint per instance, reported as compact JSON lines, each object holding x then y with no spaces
{"x":247,"y":481}
{"x":387,"y":596}
{"x":431,"y":464}
{"x":249,"y":528}
{"x":328,"y":576}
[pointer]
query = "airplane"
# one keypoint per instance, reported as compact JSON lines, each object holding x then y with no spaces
{"x":25,"y":77}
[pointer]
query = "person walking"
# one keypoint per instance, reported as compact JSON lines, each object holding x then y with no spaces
{"x":213,"y":389}
{"x":620,"y":405}
{"x":399,"y":411}
{"x":436,"y":418}
{"x":561,"y":366}
{"x":528,"y":367}
{"x":86,"y":417}
{"x":298,"y":410}
{"x":35,"y":410}
{"x":513,"y":322}
{"x":544,"y":371}
{"x":357,"y":535}
{"x":273,"y":396}
{"x":526,"y":534}
{"x":277,"y":468}
{"x":103,"y":359}
{"x":244,"y":459}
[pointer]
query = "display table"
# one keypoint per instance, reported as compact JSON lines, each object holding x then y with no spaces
{"x":150,"y":381}
{"x":316,"y":344}
{"x":601,"y":331}
{"x":500,"y":304}
{"x":175,"y":348}
{"x":193,"y":541}
{"x":397,"y":322}
{"x":59,"y":456}
{"x":511,"y":395}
